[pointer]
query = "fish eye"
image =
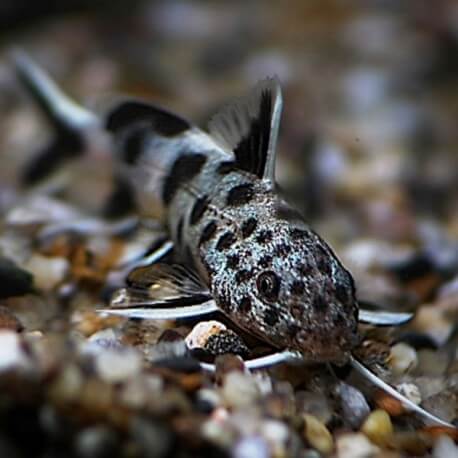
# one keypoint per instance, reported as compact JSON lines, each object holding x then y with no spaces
{"x":268,"y":285}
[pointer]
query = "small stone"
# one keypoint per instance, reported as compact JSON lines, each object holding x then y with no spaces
{"x":355,"y":445}
{"x":9,"y":321}
{"x":96,"y":442}
{"x":317,"y":435}
{"x":316,"y":404}
{"x":114,"y":366}
{"x":68,"y":384}
{"x":411,"y":392}
{"x":201,"y":332}
{"x":218,"y":432}
{"x":386,"y":402}
{"x":276,"y":434}
{"x":251,"y":447}
{"x":353,"y":404}
{"x":378,"y":427}
{"x":239,"y":390}
{"x":433,"y":363}
{"x":445,"y":447}
{"x":154,"y":439}
{"x":47,"y":272}
{"x":226,"y":341}
{"x":12,"y":354}
{"x":403,"y":358}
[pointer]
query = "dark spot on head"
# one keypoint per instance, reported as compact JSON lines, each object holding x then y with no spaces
{"x":232,"y":261}
{"x":264,"y":236}
{"x":292,"y":329}
{"x":240,"y":194}
{"x":179,"y":232}
{"x":298,"y":234}
{"x":226,"y":167}
{"x":265,"y":261}
{"x":297,"y":310}
{"x":245,"y":305}
{"x":184,"y":169}
{"x":224,"y":301}
{"x":242,"y":275}
{"x":297,"y":287}
{"x":271,"y":316}
{"x":320,"y":304}
{"x":225,"y":241}
{"x":323,"y":261}
{"x":304,"y":270}
{"x":341,"y":293}
{"x":282,"y":249}
{"x":208,"y":232}
{"x":198,"y":209}
{"x":287,"y":213}
{"x":248,"y":227}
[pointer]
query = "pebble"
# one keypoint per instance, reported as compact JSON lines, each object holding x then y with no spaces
{"x":114,"y":366}
{"x":403,"y":358}
{"x":378,"y":427}
{"x":353,"y":404}
{"x":239,"y":390}
{"x":226,"y":341}
{"x":96,"y":442}
{"x":12,"y":354}
{"x":276,"y":434}
{"x":444,"y":447}
{"x":411,"y":392}
{"x":154,"y":439}
{"x":68,"y":384}
{"x":217,"y":432}
{"x":251,"y":447}
{"x":317,"y":435}
{"x":47,"y":272}
{"x":355,"y":445}
{"x":316,"y":404}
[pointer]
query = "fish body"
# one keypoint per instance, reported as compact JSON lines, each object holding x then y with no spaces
{"x":265,"y":268}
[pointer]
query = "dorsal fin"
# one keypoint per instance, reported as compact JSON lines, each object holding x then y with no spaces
{"x":128,"y":113}
{"x":249,"y":128}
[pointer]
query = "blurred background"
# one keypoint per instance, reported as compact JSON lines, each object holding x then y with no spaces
{"x":369,"y":138}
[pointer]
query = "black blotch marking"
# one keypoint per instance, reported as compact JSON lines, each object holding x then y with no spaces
{"x":132,"y":112}
{"x":122,"y":199}
{"x":282,"y":249}
{"x":208,"y":232}
{"x":240,"y":194}
{"x":271,"y":316}
{"x":245,"y":305}
{"x":298,"y":234}
{"x":242,"y":275}
{"x":292,"y":329}
{"x":297,"y":287}
{"x":225,"y":241}
{"x":232,"y":261}
{"x":224,"y":301}
{"x":226,"y":167}
{"x":248,"y":227}
{"x":305,"y":270}
{"x":132,"y":143}
{"x":264,"y":236}
{"x":319,"y":304}
{"x":323,"y":261}
{"x":179,"y":232}
{"x":198,"y":209}
{"x":265,"y":261}
{"x":338,"y":319}
{"x":341,"y":293}
{"x":184,"y":169}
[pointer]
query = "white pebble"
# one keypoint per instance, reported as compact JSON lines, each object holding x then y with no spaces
{"x":403,"y":358}
{"x":411,"y":392}
{"x":47,"y":272}
{"x":251,"y":447}
{"x":200,"y":333}
{"x":115,"y":366}
{"x":12,"y":355}
{"x":355,"y":445}
{"x":239,"y":389}
{"x":444,"y":447}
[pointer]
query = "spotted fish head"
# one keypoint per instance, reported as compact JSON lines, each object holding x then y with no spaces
{"x":292,"y":291}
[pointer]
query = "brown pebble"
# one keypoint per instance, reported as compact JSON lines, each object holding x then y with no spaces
{"x":436,"y":431}
{"x":386,"y":402}
{"x":227,"y":363}
{"x":411,"y":442}
{"x":9,"y":321}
